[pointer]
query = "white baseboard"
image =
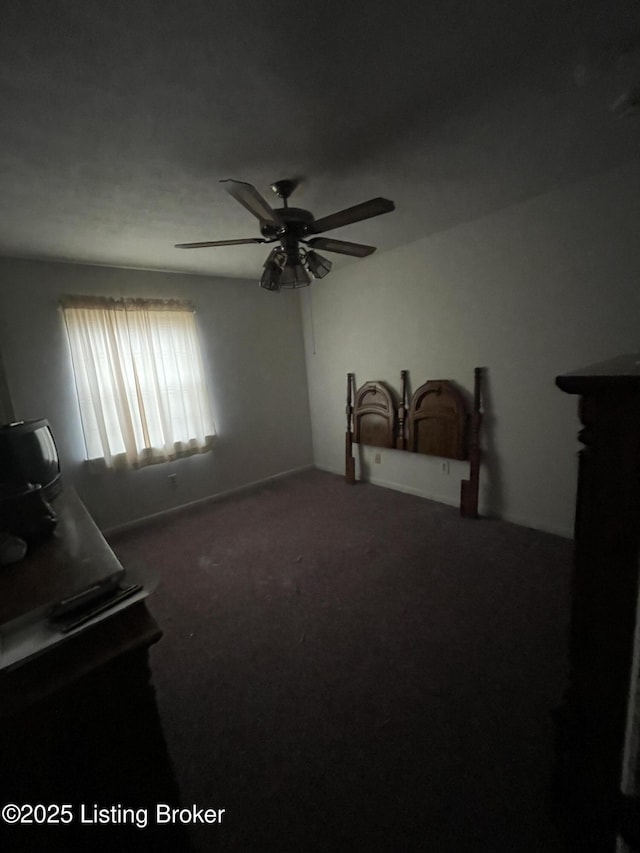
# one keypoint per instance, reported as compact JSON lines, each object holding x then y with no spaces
{"x":536,"y":524}
{"x":175,"y":510}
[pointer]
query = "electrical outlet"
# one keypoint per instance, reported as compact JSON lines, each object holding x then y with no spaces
{"x":445,"y":466}
{"x":377,"y":458}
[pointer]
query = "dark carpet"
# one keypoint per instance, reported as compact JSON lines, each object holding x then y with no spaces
{"x":355,"y":667}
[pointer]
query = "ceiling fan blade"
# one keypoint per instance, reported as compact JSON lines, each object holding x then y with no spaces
{"x":373,"y":207}
{"x":249,"y":197}
{"x":358,"y":250}
{"x":220,"y":243}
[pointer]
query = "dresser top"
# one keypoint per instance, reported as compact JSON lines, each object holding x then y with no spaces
{"x":73,"y":558}
{"x":621,"y":371}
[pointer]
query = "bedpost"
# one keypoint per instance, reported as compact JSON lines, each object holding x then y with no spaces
{"x":401,"y":438}
{"x":469,"y":488}
{"x":349,"y":461}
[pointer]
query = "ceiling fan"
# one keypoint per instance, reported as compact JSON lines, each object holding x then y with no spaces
{"x":290,"y":263}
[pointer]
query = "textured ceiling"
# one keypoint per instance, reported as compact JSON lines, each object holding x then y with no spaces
{"x":119,"y":118}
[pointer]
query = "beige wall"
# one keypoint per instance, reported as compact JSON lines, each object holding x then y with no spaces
{"x":254,"y":354}
{"x":540,"y":288}
{"x":537,"y":289}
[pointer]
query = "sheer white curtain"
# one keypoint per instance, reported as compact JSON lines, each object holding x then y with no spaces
{"x":139,"y":378}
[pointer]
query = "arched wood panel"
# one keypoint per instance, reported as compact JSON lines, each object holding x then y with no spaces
{"x":438,"y":421}
{"x":374,"y":416}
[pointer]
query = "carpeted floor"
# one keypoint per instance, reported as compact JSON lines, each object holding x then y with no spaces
{"x":355,"y":667}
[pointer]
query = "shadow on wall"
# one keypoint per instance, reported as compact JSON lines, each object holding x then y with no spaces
{"x":364,"y":466}
{"x":490,"y":474}
{"x":7,"y":414}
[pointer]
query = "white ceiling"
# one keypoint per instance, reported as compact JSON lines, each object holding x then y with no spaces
{"x":118,"y":118}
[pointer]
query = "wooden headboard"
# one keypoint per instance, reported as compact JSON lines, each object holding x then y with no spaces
{"x":437,"y":421}
{"x":374,"y":415}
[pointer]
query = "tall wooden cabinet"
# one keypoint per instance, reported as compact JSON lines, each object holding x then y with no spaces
{"x":592,"y":724}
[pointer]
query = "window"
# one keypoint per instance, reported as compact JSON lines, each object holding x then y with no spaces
{"x":139,"y":378}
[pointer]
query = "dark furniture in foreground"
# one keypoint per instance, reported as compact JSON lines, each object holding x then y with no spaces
{"x":592,"y":758}
{"x":78,"y":720}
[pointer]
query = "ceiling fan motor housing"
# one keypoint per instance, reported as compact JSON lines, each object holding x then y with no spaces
{"x":294,"y":221}
{"x":291,"y":247}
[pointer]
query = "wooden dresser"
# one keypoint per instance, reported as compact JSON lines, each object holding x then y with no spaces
{"x":592,"y":724}
{"x":78,"y":718}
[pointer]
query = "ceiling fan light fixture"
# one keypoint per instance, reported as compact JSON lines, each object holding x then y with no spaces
{"x":318,"y":265}
{"x":294,"y":275}
{"x":270,"y":279}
